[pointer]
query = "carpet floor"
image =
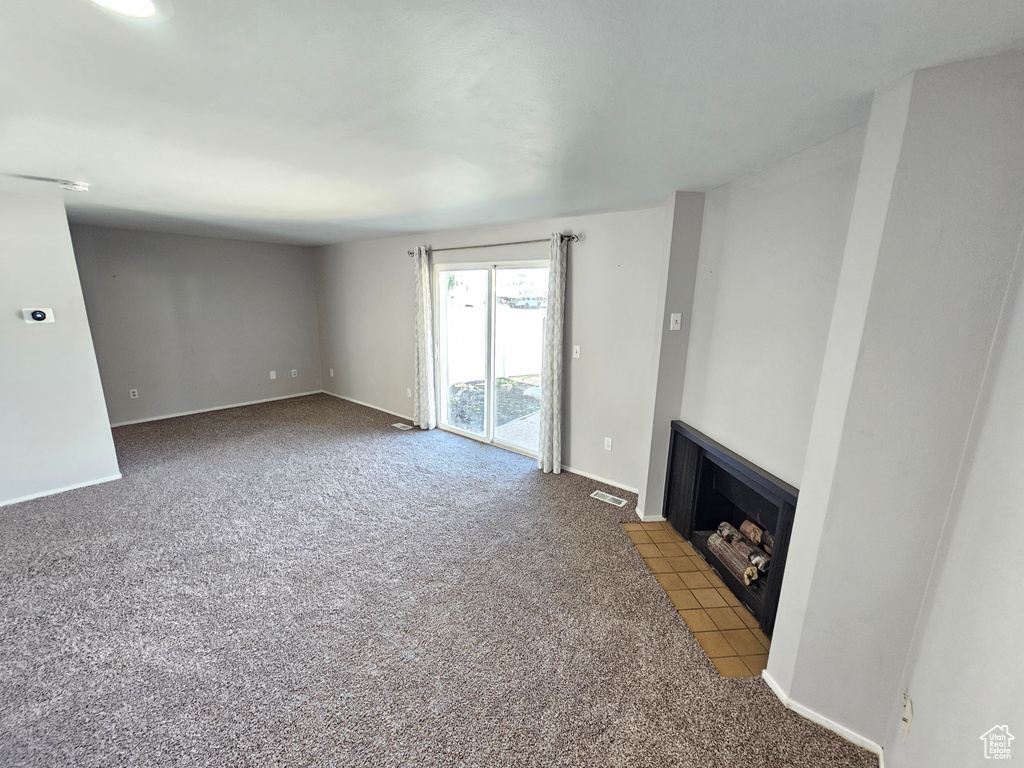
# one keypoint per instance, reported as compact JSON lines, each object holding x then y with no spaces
{"x":298,"y":584}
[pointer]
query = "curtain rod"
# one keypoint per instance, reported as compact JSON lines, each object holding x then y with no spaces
{"x":571,"y":238}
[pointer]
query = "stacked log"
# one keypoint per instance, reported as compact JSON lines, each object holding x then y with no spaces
{"x":751,"y":531}
{"x":738,"y":565}
{"x":744,"y":546}
{"x":767,"y":541}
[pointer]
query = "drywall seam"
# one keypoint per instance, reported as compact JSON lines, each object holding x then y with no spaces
{"x":215,"y":408}
{"x":53,"y":491}
{"x":815,"y":717}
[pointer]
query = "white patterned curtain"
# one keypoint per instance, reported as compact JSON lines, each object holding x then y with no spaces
{"x":549,"y":458}
{"x":423,"y":411}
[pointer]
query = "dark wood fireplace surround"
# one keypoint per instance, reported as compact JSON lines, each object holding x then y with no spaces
{"x":707,"y":484}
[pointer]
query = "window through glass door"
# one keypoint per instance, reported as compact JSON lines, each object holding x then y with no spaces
{"x":521,"y":304}
{"x":490,"y":344}
{"x":464,"y":324}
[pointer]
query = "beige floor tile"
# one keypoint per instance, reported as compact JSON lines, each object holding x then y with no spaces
{"x":743,"y":641}
{"x":696,"y":580}
{"x":639,"y":537}
{"x":699,"y":562}
{"x":763,"y":639}
{"x":683,"y":599}
{"x":670,"y":549}
{"x":687,"y":549}
{"x":731,"y":666}
{"x":659,"y":536}
{"x":698,"y":620}
{"x":729,"y":597}
{"x":682,"y":564}
{"x":709,"y":598}
{"x":648,"y":550}
{"x":632,"y":526}
{"x":715,"y":581}
{"x":725,"y":618}
{"x":746,"y":617}
{"x":659,"y":565}
{"x":670,"y":581}
{"x":714,"y":644}
{"x":756,"y":664}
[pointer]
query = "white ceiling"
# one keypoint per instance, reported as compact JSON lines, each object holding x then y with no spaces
{"x":317,"y":121}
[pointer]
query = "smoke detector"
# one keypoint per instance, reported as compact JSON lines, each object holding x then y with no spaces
{"x":74,"y":186}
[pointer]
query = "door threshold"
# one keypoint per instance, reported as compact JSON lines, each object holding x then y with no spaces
{"x":496,"y":443}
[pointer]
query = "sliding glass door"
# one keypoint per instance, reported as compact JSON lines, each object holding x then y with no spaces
{"x":464,"y":322}
{"x":490,"y":322}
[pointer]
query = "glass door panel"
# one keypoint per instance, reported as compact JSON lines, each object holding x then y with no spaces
{"x":520,"y":306}
{"x":463,"y":341}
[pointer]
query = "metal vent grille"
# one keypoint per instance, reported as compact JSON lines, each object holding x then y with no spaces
{"x":400,"y":425}
{"x":607,"y":497}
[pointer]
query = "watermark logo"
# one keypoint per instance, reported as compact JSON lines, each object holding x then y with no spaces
{"x":997,"y":743}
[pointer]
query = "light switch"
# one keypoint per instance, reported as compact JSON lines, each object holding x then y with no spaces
{"x":576,"y":351}
{"x":675,"y":321}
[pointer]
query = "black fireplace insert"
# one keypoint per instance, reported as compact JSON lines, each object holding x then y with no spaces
{"x":711,"y":491}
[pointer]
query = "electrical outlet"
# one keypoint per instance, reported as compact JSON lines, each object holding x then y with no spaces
{"x":273,"y":374}
{"x":133,"y":394}
{"x":295,"y":372}
{"x":576,"y":351}
{"x":607,"y":443}
{"x":408,"y":392}
{"x":332,"y":373}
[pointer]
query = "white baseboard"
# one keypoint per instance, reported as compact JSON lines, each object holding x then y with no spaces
{"x":53,"y":491}
{"x":579,"y":472}
{"x":368,"y":405}
{"x":599,"y":479}
{"x":647,"y":518}
{"x":215,"y":408}
{"x":815,"y":717}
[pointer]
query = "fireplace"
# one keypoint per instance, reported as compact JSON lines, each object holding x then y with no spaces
{"x":736,"y":515}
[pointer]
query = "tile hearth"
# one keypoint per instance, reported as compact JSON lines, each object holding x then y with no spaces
{"x":726,"y":630}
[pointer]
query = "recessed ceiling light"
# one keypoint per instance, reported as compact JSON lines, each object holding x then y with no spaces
{"x":74,"y":186}
{"x":137,"y":9}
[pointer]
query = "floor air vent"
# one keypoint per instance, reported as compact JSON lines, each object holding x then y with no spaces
{"x":400,"y":425}
{"x":602,"y":496}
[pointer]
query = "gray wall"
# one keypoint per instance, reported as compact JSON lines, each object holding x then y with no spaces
{"x":686,"y":210}
{"x":770,"y":254}
{"x":965,"y":674}
{"x":924,"y":277}
{"x":614,"y":293}
{"x":54,"y":432}
{"x":195,"y":323}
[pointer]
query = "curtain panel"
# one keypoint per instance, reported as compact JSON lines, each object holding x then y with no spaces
{"x":549,"y":457}
{"x":424,"y":413}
